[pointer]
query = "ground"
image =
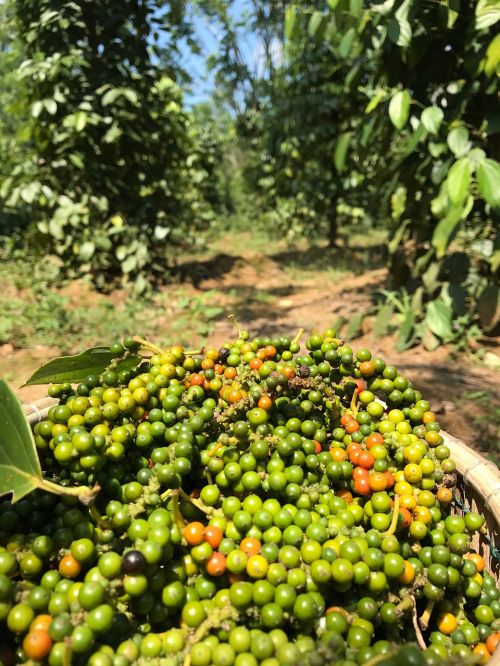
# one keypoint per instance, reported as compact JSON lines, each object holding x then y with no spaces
{"x":273,"y":290}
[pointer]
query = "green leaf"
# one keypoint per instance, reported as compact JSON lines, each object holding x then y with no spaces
{"x":406,"y":335}
{"x":458,"y":141}
{"x":87,"y":249}
{"x":51,"y":106}
{"x":375,"y":100}
{"x":341,"y":149}
{"x":417,"y":301}
{"x":488,"y":307}
{"x":488,"y":180}
{"x":398,"y":202}
{"x":129,"y":264}
{"x":492,"y":59}
{"x":76,"y":121}
{"x":37,"y":109}
{"x":20,"y":470}
{"x":438,"y":319}
{"x":453,"y":12}
{"x":29,"y":192}
{"x":383,"y":320}
{"x":456,"y":297}
{"x":80,"y":120}
{"x":415,"y":138}
{"x":396,"y":240}
{"x":495,"y":261}
{"x":346,"y":43}
{"x":399,"y":109}
{"x":399,"y":29}
{"x":430,"y":277}
{"x":72,"y":369}
{"x":429,"y":340}
{"x":354,"y":326}
{"x":315,"y":23}
{"x":128,"y":363}
{"x":111,"y":96}
{"x":432,"y":117}
{"x":444,"y":230}
{"x":290,"y":20}
{"x":458,"y":180}
{"x":487,"y":13}
{"x":355,"y":7}
{"x":383,"y":8}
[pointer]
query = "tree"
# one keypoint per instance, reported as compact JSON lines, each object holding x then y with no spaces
{"x":429,"y":77}
{"x":112,"y":177}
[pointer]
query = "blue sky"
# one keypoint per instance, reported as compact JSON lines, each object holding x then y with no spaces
{"x":207,"y":34}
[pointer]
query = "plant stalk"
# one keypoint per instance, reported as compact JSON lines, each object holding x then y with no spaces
{"x":395,"y":517}
{"x":148,"y":345}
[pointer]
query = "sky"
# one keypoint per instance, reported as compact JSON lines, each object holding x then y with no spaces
{"x":207,"y":34}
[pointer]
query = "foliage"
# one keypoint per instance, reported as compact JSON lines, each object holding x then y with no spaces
{"x":486,"y":423}
{"x":20,"y":469}
{"x":19,"y":464}
{"x":35,"y":313}
{"x":112,"y":178}
{"x":431,"y":159}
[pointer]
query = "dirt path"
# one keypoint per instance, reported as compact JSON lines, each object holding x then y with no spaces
{"x":278,"y":293}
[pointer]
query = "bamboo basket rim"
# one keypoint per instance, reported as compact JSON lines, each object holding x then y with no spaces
{"x":481,"y":475}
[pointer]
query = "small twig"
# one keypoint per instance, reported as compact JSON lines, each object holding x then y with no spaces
{"x":418,"y":633}
{"x":178,"y":517}
{"x":380,"y":657}
{"x":217,"y":446}
{"x":67,"y":652}
{"x":300,"y":333}
{"x":195,"y":502}
{"x":426,"y":615}
{"x":99,"y":520}
{"x":215,"y":619}
{"x":404,"y":605}
{"x":395,"y":517}
{"x":148,"y":345}
{"x":85,"y":494}
{"x":354,"y":403}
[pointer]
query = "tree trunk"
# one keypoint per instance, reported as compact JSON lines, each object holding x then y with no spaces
{"x":332,"y":225}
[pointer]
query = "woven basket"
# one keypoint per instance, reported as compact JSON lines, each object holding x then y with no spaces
{"x":478,"y":490}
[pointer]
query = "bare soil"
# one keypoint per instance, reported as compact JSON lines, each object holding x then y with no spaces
{"x":278,"y":293}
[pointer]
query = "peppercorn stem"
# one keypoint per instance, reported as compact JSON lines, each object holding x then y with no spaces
{"x":300,"y":333}
{"x":66,"y":660}
{"x":380,"y":657}
{"x":215,"y":619}
{"x":99,"y":520}
{"x":85,"y":494}
{"x":404,"y":605}
{"x":148,"y":345}
{"x":395,"y":517}
{"x":217,"y":446}
{"x":426,"y":615}
{"x":418,"y":633}
{"x":232,"y":317}
{"x":195,"y":502}
{"x":174,"y":494}
{"x":354,"y":403}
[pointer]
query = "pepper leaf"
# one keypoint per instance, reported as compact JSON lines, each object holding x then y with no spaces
{"x":458,"y":180}
{"x":399,"y":109}
{"x":73,"y":369}
{"x":20,"y":470}
{"x":438,"y":318}
{"x":340,"y":153}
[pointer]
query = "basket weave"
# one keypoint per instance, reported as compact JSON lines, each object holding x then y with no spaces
{"x":478,"y":490}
